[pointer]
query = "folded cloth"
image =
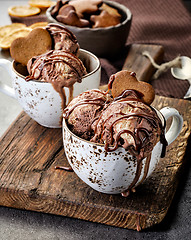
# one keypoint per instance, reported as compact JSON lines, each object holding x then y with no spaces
{"x":162,"y":22}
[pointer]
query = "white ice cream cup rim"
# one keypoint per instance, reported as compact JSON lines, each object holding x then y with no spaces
{"x":160,"y":115}
{"x":87,"y":75}
{"x":79,"y":138}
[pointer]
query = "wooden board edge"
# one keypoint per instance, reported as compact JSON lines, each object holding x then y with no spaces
{"x":88,"y":212}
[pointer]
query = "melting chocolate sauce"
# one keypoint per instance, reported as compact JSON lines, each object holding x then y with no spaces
{"x":50,"y":59}
{"x":59,"y":30}
{"x":99,"y":101}
{"x":140,"y":142}
{"x":137,"y":175}
{"x":125,"y":98}
{"x":138,"y":223}
{"x":129,"y":92}
{"x":111,"y":80}
{"x":133,"y":74}
{"x":68,"y":169}
{"x":146,"y":168}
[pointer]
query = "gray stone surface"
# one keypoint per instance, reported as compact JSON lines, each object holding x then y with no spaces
{"x":18,"y":224}
{"x":9,"y":107}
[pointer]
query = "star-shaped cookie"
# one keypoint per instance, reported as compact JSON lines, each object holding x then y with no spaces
{"x":104,"y":19}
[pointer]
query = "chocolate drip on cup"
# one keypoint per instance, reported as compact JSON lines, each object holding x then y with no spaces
{"x":60,"y":68}
{"x":63,"y":39}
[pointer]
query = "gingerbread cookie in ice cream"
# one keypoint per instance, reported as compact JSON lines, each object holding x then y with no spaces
{"x":123,"y":119}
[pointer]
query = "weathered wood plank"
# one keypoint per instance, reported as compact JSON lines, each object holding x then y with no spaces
{"x":28,"y":179}
{"x":138,"y":63}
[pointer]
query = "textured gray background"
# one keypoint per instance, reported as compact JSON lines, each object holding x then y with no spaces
{"x":20,"y":224}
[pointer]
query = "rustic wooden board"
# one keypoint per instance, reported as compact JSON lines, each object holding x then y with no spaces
{"x":28,"y":179}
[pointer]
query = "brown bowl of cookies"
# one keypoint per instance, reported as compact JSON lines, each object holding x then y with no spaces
{"x":101,"y":27}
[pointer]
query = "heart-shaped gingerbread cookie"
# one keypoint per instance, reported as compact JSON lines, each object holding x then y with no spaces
{"x":124,"y":80}
{"x":36,"y":43}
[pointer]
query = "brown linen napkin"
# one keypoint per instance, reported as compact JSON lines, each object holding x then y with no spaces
{"x":163,"y":22}
{"x":169,"y":24}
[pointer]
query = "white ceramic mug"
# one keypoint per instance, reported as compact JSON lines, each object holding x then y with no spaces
{"x":39,"y":99}
{"x":114,"y":172}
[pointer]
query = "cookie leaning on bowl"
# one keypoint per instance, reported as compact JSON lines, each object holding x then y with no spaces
{"x":5,"y":42}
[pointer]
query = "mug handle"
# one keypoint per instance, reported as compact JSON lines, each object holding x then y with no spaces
{"x":4,"y":88}
{"x":176,"y":125}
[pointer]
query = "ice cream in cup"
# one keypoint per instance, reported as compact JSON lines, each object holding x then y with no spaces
{"x":44,"y":83}
{"x":114,"y":144}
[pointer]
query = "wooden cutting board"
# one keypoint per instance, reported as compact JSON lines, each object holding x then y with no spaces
{"x":29,"y":180}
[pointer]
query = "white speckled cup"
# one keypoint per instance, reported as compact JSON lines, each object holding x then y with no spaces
{"x":39,"y":99}
{"x":114,"y":172}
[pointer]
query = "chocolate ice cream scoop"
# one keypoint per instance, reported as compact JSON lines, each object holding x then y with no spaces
{"x":63,"y":39}
{"x":84,"y":110}
{"x":129,"y":123}
{"x":60,"y":68}
{"x":126,"y":121}
{"x":133,"y":126}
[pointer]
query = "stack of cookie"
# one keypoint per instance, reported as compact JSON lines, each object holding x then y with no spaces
{"x":86,"y":13}
{"x":9,"y":33}
{"x":31,"y":13}
{"x":33,"y":8}
{"x":24,"y":18}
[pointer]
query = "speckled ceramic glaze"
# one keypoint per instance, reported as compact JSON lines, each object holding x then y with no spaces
{"x":39,"y":99}
{"x":107,"y":41}
{"x":113,"y":172}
